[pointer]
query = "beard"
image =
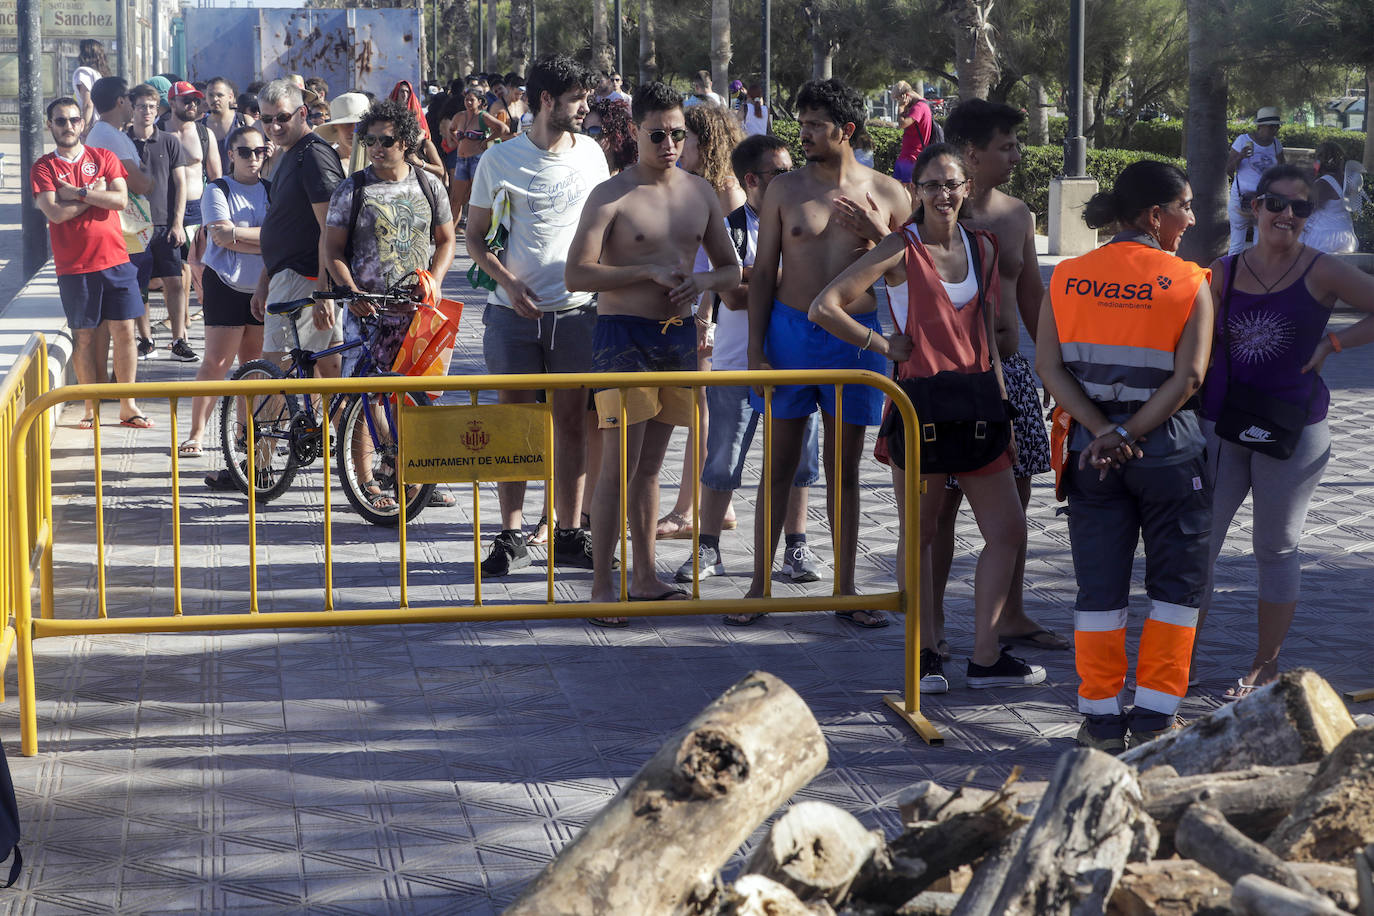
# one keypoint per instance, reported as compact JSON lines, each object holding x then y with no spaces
{"x":184,"y":114}
{"x":563,"y":122}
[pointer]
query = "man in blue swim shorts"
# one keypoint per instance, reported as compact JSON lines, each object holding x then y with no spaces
{"x":814,"y":223}
{"x":634,"y":228}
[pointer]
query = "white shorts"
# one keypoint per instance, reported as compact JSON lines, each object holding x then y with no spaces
{"x":287,"y":286}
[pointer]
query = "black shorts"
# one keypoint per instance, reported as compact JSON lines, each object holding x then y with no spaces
{"x":100,"y":295}
{"x":161,"y":259}
{"x":224,"y":306}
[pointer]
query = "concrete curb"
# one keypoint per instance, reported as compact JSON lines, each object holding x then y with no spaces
{"x":37,"y":307}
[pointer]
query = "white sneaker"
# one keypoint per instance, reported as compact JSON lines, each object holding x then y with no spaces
{"x":708,"y":560}
{"x":933,"y":678}
{"x":800,"y":564}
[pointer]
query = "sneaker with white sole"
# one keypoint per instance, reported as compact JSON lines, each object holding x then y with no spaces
{"x":146,"y":348}
{"x":708,"y":560}
{"x":182,"y":351}
{"x":1007,"y":671}
{"x":933,"y":678}
{"x":800,"y":564}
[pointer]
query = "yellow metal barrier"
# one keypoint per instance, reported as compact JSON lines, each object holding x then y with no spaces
{"x":30,"y":497}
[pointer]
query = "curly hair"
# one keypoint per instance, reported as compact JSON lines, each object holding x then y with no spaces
{"x":717,"y":133}
{"x":618,"y":131}
{"x":840,"y":103}
{"x":652,"y":97}
{"x":402,"y":119}
{"x":555,"y":74}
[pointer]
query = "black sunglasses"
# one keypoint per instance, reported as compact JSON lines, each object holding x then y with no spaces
{"x":280,"y":120}
{"x":246,"y":152}
{"x":677,"y":133}
{"x":386,"y":142}
{"x":1276,"y":203}
{"x":68,"y":122}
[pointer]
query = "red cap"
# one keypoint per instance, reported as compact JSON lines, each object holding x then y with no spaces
{"x":183,"y":88}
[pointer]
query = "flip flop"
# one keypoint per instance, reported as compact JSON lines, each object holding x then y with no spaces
{"x":876,"y":619}
{"x":220,"y":480}
{"x":608,"y":623}
{"x":1035,"y":639}
{"x":672,"y":594}
{"x":678,"y":527}
{"x":137,"y":421}
{"x":86,"y":423}
{"x":742,"y":620}
{"x":1240,"y":691}
{"x":189,"y":449}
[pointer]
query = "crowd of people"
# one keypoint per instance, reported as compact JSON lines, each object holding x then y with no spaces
{"x":658,"y":232}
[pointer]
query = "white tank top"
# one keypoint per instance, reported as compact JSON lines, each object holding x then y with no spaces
{"x":961,"y":293}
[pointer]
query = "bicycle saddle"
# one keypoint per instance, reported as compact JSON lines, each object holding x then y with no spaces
{"x":288,"y":308}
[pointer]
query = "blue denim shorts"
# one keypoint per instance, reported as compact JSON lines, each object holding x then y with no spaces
{"x":465,"y":167}
{"x":730,"y":432}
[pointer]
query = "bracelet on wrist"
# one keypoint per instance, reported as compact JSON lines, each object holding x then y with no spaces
{"x":868,"y":341}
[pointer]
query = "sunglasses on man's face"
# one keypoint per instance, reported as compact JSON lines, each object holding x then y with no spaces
{"x":1277,"y":203}
{"x":247,"y":152}
{"x":677,"y":133}
{"x":73,"y":121}
{"x":386,"y":142}
{"x":281,"y":120}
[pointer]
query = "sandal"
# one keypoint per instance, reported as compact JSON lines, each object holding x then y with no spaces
{"x":742,"y":620}
{"x":189,"y":449}
{"x":876,"y":620}
{"x":1240,"y":691}
{"x":541,"y":531}
{"x":86,"y":423}
{"x":377,"y":499}
{"x":673,"y":526}
{"x":441,"y":498}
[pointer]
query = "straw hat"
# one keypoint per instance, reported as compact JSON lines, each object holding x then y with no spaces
{"x":1267,"y":115}
{"x":344,"y":111}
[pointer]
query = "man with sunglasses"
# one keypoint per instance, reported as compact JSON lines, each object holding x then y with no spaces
{"x":635,"y":247}
{"x":534,"y":323}
{"x":81,"y":189}
{"x":815,"y":222}
{"x":306,"y":174}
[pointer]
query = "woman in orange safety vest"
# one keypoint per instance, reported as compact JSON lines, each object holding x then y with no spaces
{"x":1125,"y":336}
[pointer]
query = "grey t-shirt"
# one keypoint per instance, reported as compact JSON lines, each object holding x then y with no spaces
{"x":159,"y":154}
{"x":392,"y":236}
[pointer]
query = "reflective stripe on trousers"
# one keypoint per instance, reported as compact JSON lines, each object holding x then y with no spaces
{"x":1166,"y":644}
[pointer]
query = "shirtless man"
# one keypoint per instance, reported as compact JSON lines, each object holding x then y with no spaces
{"x":635,"y":246}
{"x":986,"y":133}
{"x":814,"y":223}
{"x":201,"y":163}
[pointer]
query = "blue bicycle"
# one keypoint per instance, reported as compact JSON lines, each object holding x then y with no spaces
{"x":287,"y":428}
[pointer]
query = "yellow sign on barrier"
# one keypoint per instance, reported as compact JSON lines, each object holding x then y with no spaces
{"x":468,"y":444}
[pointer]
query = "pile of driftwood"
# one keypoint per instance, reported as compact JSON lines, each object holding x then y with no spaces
{"x":1266,"y":806}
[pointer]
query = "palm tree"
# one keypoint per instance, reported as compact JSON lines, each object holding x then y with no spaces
{"x":1205,"y":142}
{"x":975,"y":54}
{"x":648,"y":43}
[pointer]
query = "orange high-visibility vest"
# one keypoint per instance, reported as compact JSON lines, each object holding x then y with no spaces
{"x":1120,"y":311}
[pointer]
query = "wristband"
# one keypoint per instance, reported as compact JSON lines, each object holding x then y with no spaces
{"x":869,"y":341}
{"x":1125,"y":436}
{"x":1335,"y":341}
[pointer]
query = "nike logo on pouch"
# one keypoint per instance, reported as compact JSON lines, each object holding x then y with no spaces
{"x":1255,"y":434}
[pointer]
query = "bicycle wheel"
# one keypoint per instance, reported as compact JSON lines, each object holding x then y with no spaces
{"x":367,"y":456}
{"x":275,"y":459}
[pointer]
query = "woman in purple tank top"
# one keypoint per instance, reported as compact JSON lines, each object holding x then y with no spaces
{"x":1271,"y":335}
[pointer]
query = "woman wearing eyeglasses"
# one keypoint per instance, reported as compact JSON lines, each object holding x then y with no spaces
{"x":943,"y":292}
{"x":470,"y":129}
{"x":1270,"y":343}
{"x":1125,"y":332}
{"x":234,"y":207}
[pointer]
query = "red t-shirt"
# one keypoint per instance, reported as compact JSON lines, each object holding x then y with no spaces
{"x":916,"y":135}
{"x":94,"y":240}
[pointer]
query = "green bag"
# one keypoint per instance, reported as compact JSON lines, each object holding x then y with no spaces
{"x":479,"y":278}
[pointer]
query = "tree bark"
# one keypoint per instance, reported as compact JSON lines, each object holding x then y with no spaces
{"x":1204,"y":134}
{"x":648,"y":43}
{"x":492,"y":61}
{"x":1256,"y":896}
{"x":668,"y":832}
{"x":1369,"y":119}
{"x":1039,"y":127}
{"x":823,"y":48}
{"x":601,"y":52}
{"x":1091,"y":821}
{"x":721,"y":51}
{"x":1364,"y":877}
{"x":519,"y":36}
{"x":1170,"y":887}
{"x":1254,"y":801}
{"x":756,"y":895}
{"x":814,"y":850}
{"x":1204,"y":834}
{"x":1296,"y":719}
{"x":457,"y":35}
{"x":975,"y":58}
{"x":1334,"y":819}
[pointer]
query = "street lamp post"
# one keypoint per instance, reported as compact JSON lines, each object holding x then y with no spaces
{"x":534,"y":31}
{"x":1075,"y":144}
{"x":767,"y":54}
{"x":481,"y":40}
{"x":31,"y":131}
{"x":619,"y":64}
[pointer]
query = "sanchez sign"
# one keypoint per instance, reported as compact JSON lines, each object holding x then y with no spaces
{"x":467,"y":444}
{"x":72,"y":19}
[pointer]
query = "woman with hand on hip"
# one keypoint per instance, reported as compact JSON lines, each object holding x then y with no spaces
{"x":1264,"y":403}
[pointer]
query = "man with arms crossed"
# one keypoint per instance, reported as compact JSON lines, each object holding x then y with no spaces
{"x":638,"y":238}
{"x":812,"y":226}
{"x":293,"y":254}
{"x":534,"y":324}
{"x":81,"y":190}
{"x":756,"y":162}
{"x":986,"y":132}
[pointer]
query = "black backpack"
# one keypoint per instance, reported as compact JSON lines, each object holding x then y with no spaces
{"x":360,"y":179}
{"x":203,"y":133}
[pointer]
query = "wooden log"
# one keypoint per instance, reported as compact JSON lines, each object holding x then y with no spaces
{"x":1364,"y":876}
{"x":927,"y":801}
{"x":1298,"y":718}
{"x":756,"y":895}
{"x":1254,"y":800}
{"x":980,"y":895}
{"x":1337,"y":883}
{"x":1334,"y":818}
{"x":1170,"y":887}
{"x":1257,"y":896}
{"x":913,"y":861}
{"x":815,"y":850}
{"x":1091,"y":822}
{"x":1204,"y":834}
{"x":929,"y":903}
{"x":667,"y":833}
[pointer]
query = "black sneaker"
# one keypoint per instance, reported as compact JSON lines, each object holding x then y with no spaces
{"x":1147,"y":726}
{"x":182,"y":351}
{"x":1103,"y":733}
{"x":1007,"y":671}
{"x":508,"y":553}
{"x":146,"y":348}
{"x":933,"y":678}
{"x":572,"y":547}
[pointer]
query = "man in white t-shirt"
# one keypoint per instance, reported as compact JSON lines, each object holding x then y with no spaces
{"x":1251,"y":155}
{"x":609,"y":89}
{"x":533,"y":323}
{"x":732,"y":421}
{"x":701,"y":91}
